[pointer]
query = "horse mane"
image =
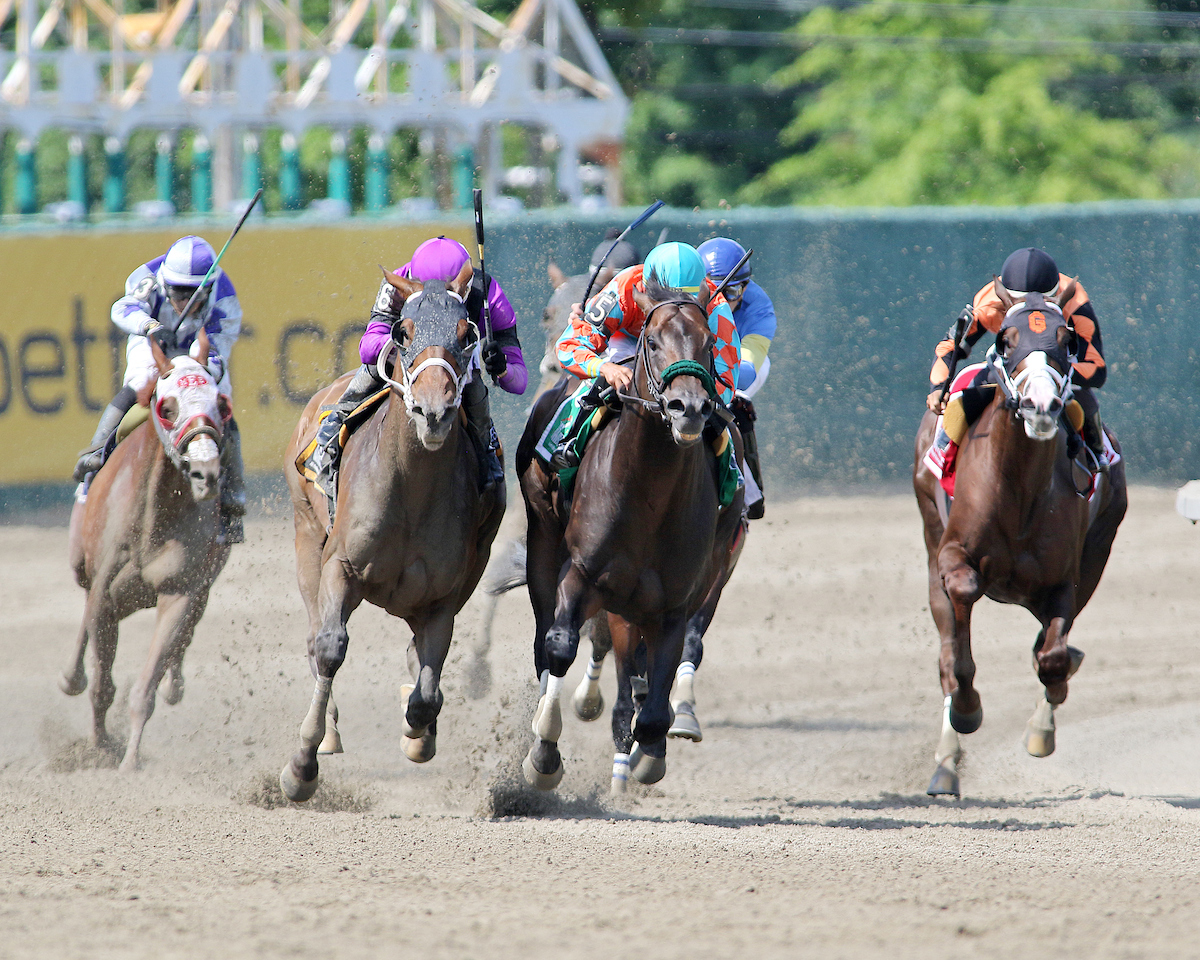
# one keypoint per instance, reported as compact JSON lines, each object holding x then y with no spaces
{"x":658,"y":292}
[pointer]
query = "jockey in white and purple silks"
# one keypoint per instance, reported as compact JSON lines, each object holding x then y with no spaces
{"x":156,"y":294}
{"x":441,"y":259}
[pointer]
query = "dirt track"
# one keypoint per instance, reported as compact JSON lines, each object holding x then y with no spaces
{"x":798,"y":827}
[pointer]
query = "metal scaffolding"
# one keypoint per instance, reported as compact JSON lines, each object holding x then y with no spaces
{"x":442,"y":67}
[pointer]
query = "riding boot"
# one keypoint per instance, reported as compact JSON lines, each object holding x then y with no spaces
{"x":328,"y":453}
{"x":92,"y":459}
{"x":754,"y":511}
{"x":232,"y":505}
{"x":483,"y":431}
{"x":565,"y":456}
{"x":1093,"y":426}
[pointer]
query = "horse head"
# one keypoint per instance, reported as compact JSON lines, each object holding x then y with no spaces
{"x":432,"y":343}
{"x":1033,"y":363}
{"x":675,"y":359}
{"x":189,"y":415}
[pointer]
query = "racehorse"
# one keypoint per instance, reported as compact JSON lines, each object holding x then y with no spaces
{"x":1027,"y":525}
{"x":644,"y":540}
{"x":412,"y":532}
{"x":148,"y":535}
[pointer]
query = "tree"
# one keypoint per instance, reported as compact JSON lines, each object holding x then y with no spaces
{"x":909,"y":109}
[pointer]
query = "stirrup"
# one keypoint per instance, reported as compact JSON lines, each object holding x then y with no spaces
{"x":564,"y":458}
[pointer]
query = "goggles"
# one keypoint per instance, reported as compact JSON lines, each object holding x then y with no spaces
{"x":180,"y":293}
{"x":734,"y":291}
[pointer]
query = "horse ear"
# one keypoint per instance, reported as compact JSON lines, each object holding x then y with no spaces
{"x":461,"y":284}
{"x":645,"y":304}
{"x":557,"y":277}
{"x":160,"y":358}
{"x":204,"y":346}
{"x":406,"y":287}
{"x":1066,"y":292}
{"x":1002,"y":293}
{"x":705,"y":294}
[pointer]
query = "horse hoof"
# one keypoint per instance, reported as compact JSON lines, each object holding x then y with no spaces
{"x":685,"y":726}
{"x":332,"y":742}
{"x":1076,"y":656}
{"x":73,"y":686}
{"x":966,"y":722}
{"x":172,"y":688}
{"x":944,"y":782}
{"x":1039,"y":731}
{"x":535,"y":778}
{"x":294,"y":788}
{"x":419,"y":749}
{"x":587,"y":707}
{"x":645,"y":768}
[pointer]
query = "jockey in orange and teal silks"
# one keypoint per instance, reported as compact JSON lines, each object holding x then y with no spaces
{"x":609,"y":328}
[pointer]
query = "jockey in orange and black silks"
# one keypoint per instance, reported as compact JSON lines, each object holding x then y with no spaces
{"x":609,"y":329}
{"x":1027,"y":270}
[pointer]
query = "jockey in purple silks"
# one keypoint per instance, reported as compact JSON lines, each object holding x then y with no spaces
{"x":441,"y":259}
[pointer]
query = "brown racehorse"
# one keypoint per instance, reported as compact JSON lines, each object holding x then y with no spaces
{"x":645,"y":539}
{"x":148,"y":536}
{"x":1022,"y":528}
{"x":412,"y":533}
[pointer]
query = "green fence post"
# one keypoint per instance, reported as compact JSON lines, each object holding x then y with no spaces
{"x":77,"y":185}
{"x":114,"y":176}
{"x":376,"y":187}
{"x":201,"y":175}
{"x":26,"y":185}
{"x":339,"y":170}
{"x":164,"y":170}
{"x":251,"y":165}
{"x":464,"y":177}
{"x":290,"y":194}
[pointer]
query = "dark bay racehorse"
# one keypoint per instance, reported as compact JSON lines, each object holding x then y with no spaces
{"x":148,"y":536}
{"x":644,"y":540}
{"x":1025,"y":526}
{"x":412,"y":532}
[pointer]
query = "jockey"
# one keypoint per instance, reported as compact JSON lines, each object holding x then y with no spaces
{"x":1025,"y":271}
{"x":155,"y":294}
{"x":441,"y":259}
{"x":754,"y":316}
{"x":594,"y":343}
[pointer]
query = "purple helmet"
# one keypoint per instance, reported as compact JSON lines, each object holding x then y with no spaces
{"x":438,"y":259}
{"x":720,"y":255}
{"x":187,"y":262}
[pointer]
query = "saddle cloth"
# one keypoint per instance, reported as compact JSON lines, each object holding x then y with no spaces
{"x":315,"y":463}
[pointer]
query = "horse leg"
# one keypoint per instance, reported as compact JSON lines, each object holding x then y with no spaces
{"x":101,"y":626}
{"x":421,"y":701}
{"x":339,"y":597}
{"x":949,"y":749}
{"x":622,"y":728}
{"x":177,"y":619}
{"x":1056,"y":662}
{"x":73,"y":680}
{"x":686,"y":725}
{"x":964,"y":587}
{"x":543,"y":763}
{"x":588,"y":701}
{"x":664,"y":647}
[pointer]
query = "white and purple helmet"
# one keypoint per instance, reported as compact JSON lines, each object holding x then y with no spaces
{"x":187,"y":262}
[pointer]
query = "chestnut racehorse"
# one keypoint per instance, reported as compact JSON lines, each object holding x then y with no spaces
{"x":1026,"y":525}
{"x":412,"y":533}
{"x":645,"y":539}
{"x":148,"y":536}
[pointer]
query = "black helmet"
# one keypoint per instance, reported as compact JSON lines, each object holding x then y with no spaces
{"x":625,"y":254}
{"x":1029,"y":269}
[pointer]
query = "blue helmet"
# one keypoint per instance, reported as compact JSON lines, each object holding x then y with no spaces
{"x":720,"y":255}
{"x":675,"y":265}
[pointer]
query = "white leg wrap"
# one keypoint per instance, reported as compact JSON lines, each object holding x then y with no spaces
{"x":312,"y":730}
{"x":593,"y":670}
{"x":948,"y":747}
{"x":684,"y":690}
{"x":547,"y":719}
{"x":620,"y":772}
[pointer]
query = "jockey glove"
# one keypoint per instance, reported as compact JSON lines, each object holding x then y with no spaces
{"x":150,"y":327}
{"x":494,"y":361}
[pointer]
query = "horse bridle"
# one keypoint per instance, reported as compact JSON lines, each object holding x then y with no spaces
{"x":409,"y":377}
{"x":198,"y":428}
{"x":658,"y":382}
{"x":1011,"y":386}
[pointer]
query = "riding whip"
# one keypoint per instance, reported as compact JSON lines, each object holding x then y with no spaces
{"x":960,"y":330}
{"x":645,"y":215}
{"x":733,"y":273}
{"x":487,"y":310}
{"x":207,"y":276}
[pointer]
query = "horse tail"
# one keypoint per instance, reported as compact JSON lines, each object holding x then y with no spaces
{"x":509,"y":572}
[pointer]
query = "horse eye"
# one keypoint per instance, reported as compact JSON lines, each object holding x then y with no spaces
{"x":652,"y":343}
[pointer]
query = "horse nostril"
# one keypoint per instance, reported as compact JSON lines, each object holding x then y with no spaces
{"x":706,"y":409}
{"x":418,"y":410}
{"x":676,"y":407}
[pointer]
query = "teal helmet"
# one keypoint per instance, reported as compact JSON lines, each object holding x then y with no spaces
{"x":676,"y":265}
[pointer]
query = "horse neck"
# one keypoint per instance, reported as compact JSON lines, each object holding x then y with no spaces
{"x":167,"y":492}
{"x":1024,"y":465}
{"x":403,"y":450}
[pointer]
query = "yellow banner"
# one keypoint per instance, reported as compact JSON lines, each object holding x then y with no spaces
{"x":306,"y":292}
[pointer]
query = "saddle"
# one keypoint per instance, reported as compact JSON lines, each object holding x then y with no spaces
{"x":318,"y":462}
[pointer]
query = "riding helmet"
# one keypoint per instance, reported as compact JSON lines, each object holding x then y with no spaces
{"x":676,"y":265}
{"x":624,"y":254}
{"x":1029,"y":269}
{"x":720,"y":255}
{"x":187,"y":262}
{"x":437,"y":259}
